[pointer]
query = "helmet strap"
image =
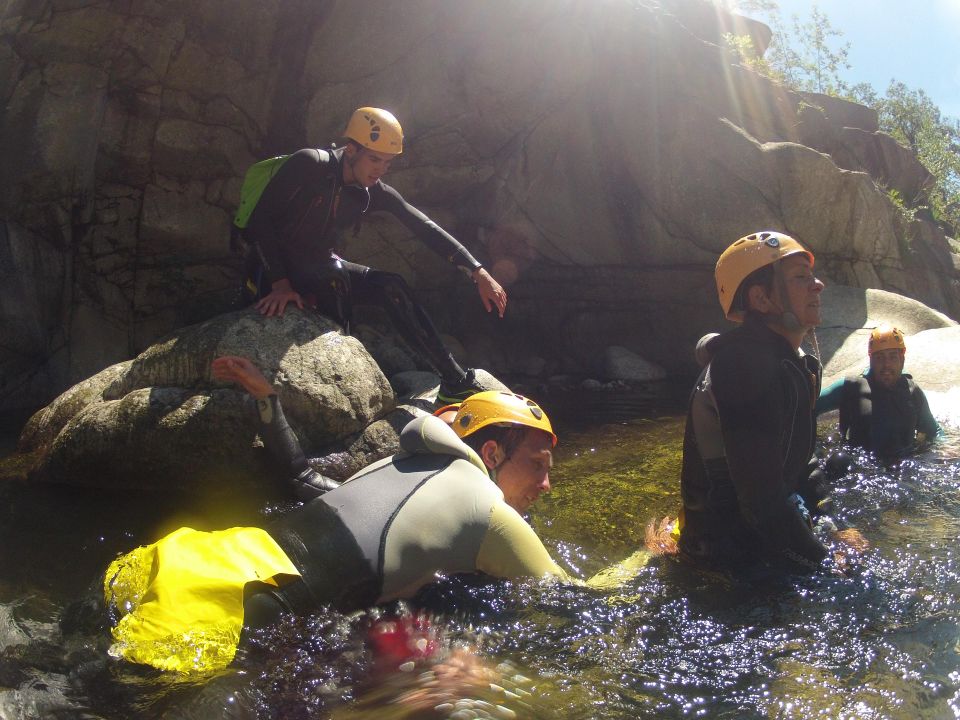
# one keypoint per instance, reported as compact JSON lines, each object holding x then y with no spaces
{"x":814,"y":343}
{"x":349,"y":160}
{"x":498,"y":457}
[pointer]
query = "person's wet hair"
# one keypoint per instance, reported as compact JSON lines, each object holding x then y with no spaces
{"x":763,"y":276}
{"x":508,"y":438}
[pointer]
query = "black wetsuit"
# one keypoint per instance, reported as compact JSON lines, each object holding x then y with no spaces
{"x":296,"y":227}
{"x":749,"y":437}
{"x":883,"y":420}
{"x":282,"y":443}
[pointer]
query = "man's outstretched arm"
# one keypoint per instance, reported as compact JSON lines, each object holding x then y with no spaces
{"x":387,"y":199}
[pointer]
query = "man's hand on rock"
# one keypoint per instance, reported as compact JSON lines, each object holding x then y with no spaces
{"x":282,"y":292}
{"x":491,"y":293}
{"x":231,"y":368}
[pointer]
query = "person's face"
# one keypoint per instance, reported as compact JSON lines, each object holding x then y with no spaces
{"x":801,"y":289}
{"x":886,"y":366}
{"x":364,"y":166}
{"x":526,"y":473}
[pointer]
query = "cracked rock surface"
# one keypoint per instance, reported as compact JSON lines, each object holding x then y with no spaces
{"x":596,"y":156}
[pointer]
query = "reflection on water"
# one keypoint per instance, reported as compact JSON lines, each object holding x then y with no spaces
{"x":881,"y":642}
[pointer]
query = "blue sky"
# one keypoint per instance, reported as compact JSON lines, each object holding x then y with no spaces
{"x":917,"y":43}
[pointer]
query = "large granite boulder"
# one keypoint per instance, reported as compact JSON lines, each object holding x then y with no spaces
{"x":161,"y":421}
{"x":849,"y":314}
{"x":931,"y":360}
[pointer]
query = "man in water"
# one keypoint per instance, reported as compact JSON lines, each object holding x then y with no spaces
{"x":882,"y":410}
{"x":314,"y":197}
{"x":449,"y":502}
{"x":750,"y":428}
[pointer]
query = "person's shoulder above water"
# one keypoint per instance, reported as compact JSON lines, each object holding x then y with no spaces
{"x":308,"y":158}
{"x":744,"y":361}
{"x":431,"y":435}
{"x":384,"y":197}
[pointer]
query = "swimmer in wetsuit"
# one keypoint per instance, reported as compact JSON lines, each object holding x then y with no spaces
{"x":750,"y":428}
{"x":882,"y":410}
{"x":448,"y":502}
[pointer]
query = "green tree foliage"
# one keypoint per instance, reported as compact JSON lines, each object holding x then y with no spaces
{"x":746,"y":54}
{"x":802,"y":56}
{"x":807,"y":58}
{"x":916,"y":122}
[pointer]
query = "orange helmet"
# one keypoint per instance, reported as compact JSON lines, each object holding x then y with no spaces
{"x":886,"y":337}
{"x":375,"y":129}
{"x":447,"y":413}
{"x":496,"y":407}
{"x":747,"y":255}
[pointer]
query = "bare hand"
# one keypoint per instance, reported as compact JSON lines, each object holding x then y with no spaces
{"x":841,"y":563}
{"x":853,"y":539}
{"x":281,"y":294}
{"x":852,"y":545}
{"x":232,"y":368}
{"x":461,"y":674}
{"x":659,"y":537}
{"x":491,"y":293}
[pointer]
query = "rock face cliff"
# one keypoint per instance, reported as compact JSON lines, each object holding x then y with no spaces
{"x":596,"y":155}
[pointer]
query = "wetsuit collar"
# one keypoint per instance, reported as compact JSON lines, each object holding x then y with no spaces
{"x":752,"y":327}
{"x":756,"y":328}
{"x":874,"y":384}
{"x":430,"y":435}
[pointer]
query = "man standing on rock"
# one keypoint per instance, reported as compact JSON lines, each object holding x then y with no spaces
{"x":312,"y":197}
{"x":882,"y":410}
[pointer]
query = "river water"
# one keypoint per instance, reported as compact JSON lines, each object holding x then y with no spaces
{"x":882,"y":641}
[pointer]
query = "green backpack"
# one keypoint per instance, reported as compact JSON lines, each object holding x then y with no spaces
{"x":254,"y":182}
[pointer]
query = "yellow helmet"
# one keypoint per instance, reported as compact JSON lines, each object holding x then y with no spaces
{"x":495,"y":407}
{"x":747,"y":255}
{"x":375,"y":129}
{"x":885,"y":337}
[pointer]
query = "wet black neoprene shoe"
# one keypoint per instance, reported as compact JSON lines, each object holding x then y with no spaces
{"x":459,"y":391}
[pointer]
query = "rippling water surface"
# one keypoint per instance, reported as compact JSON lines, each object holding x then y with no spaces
{"x":881,"y":641}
